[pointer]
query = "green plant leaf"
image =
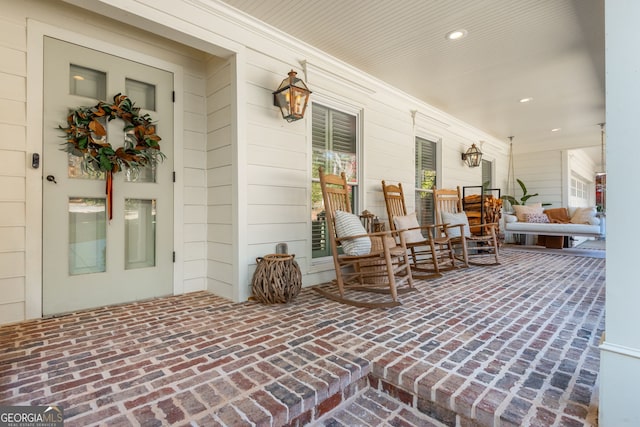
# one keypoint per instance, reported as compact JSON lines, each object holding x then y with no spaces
{"x":105,"y":163}
{"x":510,"y":199}
{"x":524,"y":189}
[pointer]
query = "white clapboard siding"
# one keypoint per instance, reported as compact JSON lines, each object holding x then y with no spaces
{"x":13,"y":144}
{"x":13,"y":137}
{"x":245,"y":186}
{"x":13,"y":87}
{"x":11,"y":239}
{"x":541,"y":172}
{"x":219,"y":178}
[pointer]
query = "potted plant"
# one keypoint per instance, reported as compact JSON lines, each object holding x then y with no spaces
{"x":520,"y":238}
{"x":525,"y":196}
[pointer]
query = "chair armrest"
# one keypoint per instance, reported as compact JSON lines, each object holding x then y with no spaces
{"x":447,"y":225}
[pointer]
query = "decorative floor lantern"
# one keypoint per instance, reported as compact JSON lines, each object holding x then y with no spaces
{"x":292,"y":97}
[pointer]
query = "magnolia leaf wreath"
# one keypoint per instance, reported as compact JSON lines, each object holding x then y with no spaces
{"x":86,"y":138}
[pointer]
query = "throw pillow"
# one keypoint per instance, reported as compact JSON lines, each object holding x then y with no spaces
{"x":405,"y":223}
{"x":348,"y":224}
{"x":583,"y":215}
{"x":510,"y":218}
{"x":558,"y":215}
{"x":522,"y":210}
{"x":456,"y":218}
{"x":538,"y":218}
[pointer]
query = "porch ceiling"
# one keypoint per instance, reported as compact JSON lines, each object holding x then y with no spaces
{"x":550,"y":50}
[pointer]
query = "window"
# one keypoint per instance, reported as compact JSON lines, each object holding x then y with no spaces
{"x":487,"y":181}
{"x":334,"y":142}
{"x":425,"y":180}
{"x":580,"y":191}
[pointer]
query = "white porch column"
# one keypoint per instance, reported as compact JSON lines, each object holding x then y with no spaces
{"x":620,"y":353}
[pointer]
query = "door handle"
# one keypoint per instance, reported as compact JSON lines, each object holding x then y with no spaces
{"x":51,"y":178}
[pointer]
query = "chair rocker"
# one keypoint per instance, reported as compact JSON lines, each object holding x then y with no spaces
{"x":430,"y":252}
{"x":373,"y":262}
{"x":476,"y":244}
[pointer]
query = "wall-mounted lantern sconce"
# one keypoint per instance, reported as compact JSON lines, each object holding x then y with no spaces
{"x":292,"y":97}
{"x":473,"y":156}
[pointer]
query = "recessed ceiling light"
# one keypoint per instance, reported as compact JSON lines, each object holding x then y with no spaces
{"x":456,"y":35}
{"x":556,"y":129}
{"x":525,"y":100}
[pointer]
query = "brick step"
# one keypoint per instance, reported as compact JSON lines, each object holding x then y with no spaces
{"x":371,"y":407}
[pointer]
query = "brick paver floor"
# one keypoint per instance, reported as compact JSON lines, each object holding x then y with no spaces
{"x":512,"y":345}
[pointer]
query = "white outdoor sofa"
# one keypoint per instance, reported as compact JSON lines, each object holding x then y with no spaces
{"x":595,"y":228}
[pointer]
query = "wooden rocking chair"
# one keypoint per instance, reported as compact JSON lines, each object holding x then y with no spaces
{"x":373,"y":262}
{"x":481,"y":244}
{"x":428,"y":248}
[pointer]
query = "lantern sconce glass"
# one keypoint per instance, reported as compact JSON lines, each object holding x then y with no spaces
{"x":292,"y":97}
{"x":473,"y":156}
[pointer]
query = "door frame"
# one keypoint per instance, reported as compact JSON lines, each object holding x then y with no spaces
{"x":36,"y":31}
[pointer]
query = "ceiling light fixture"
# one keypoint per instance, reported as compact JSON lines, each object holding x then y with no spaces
{"x":456,"y":34}
{"x":525,"y":100}
{"x":556,"y":129}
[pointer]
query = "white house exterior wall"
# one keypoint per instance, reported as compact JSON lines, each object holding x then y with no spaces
{"x":542,"y":173}
{"x":15,"y":151}
{"x":245,"y":180}
{"x":219,"y":161}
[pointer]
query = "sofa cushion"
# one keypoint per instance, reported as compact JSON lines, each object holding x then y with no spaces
{"x":539,"y":218}
{"x":456,"y":218}
{"x":583,"y":215}
{"x":405,"y":223}
{"x":510,"y":218}
{"x":522,"y":210}
{"x":553,"y":229}
{"x":558,"y":215}
{"x":348,"y":224}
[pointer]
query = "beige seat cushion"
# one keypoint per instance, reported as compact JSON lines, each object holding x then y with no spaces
{"x":405,"y":223}
{"x":453,"y":219}
{"x":523,"y":210}
{"x":583,"y":215}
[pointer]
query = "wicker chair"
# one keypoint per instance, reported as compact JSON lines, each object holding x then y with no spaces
{"x":430,"y":251}
{"x":373,"y":262}
{"x":475,"y":249}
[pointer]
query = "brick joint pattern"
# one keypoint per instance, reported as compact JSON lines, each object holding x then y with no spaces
{"x":514,"y":344}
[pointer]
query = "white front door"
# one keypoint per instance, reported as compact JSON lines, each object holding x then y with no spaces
{"x":89,"y":260}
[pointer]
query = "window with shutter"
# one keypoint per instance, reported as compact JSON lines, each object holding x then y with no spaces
{"x":487,"y":181}
{"x":425,"y":180}
{"x":334,"y":142}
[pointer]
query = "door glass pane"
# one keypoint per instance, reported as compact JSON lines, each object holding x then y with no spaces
{"x":142,"y":94}
{"x":140,"y":233}
{"x":87,"y":82}
{"x":141,"y":174}
{"x":87,"y":236}
{"x":77,"y":170}
{"x":75,"y":164}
